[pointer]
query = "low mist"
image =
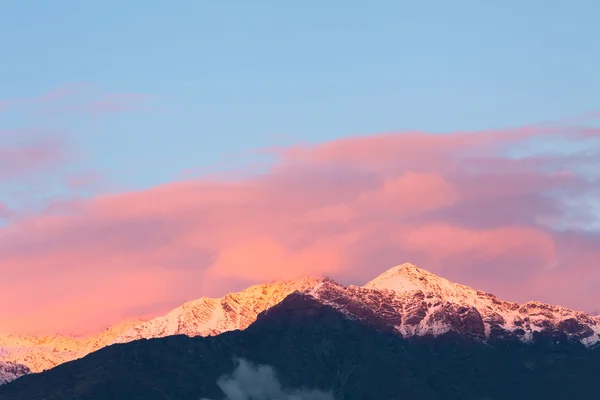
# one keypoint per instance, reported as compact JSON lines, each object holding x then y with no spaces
{"x":259,"y":382}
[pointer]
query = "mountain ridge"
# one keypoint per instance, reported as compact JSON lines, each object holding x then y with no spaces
{"x":314,"y":345}
{"x":405,"y":299}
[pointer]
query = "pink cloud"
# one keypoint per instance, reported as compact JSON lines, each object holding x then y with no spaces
{"x":21,"y":160}
{"x":27,"y":151}
{"x":456,"y":204}
{"x":83,"y":180}
{"x":5,"y":211}
{"x":116,"y":103}
{"x":98,"y":105}
{"x":35,"y":158}
{"x":79,"y":98}
{"x":240,"y":261}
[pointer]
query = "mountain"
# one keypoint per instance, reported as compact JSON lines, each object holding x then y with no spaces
{"x":207,"y":316}
{"x":316,"y":346}
{"x":405,"y":300}
{"x":202,"y":317}
{"x":10,"y":371}
{"x":39,"y":353}
{"x":434,"y":305}
{"x":410,"y":300}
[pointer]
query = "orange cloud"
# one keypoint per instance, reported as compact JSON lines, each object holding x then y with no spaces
{"x":266,"y":259}
{"x":458,"y":204}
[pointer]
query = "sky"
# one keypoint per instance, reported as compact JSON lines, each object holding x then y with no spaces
{"x":155,"y":152}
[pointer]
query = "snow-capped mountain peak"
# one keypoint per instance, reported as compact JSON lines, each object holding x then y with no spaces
{"x":408,"y":277}
{"x":434,"y":305}
{"x":404,"y":299}
{"x":209,"y":316}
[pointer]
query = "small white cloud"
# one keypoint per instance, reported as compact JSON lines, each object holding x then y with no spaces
{"x":259,"y":382}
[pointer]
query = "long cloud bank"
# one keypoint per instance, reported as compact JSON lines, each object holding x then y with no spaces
{"x":512,"y":211}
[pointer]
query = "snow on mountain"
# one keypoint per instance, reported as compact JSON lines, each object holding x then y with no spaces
{"x":434,"y":305}
{"x":405,"y":299}
{"x":412,"y":301}
{"x":39,"y":353}
{"x":206,"y":316}
{"x":10,"y":371}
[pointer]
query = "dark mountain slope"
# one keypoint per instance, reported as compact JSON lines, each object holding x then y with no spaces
{"x":313,"y":345}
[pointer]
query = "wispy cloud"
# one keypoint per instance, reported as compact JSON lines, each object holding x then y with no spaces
{"x":459,"y":204}
{"x":19,"y":161}
{"x":83,"y":180}
{"x":36,"y":155}
{"x":105,"y":105}
{"x":79,"y":98}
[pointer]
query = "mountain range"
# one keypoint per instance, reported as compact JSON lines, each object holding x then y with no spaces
{"x":406,"y":302}
{"x":318,"y":353}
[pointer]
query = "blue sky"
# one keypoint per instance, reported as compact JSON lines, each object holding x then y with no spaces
{"x":231,"y":76}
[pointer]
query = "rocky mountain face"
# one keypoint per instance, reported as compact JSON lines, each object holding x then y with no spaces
{"x":316,"y":346}
{"x":405,"y":300}
{"x":10,"y":371}
{"x":208,"y":317}
{"x":433,"y":305}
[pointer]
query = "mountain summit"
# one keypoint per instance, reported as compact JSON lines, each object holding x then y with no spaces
{"x":406,"y":300}
{"x":408,"y":277}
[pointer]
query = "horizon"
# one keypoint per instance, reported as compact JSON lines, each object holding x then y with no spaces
{"x":195,"y":150}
